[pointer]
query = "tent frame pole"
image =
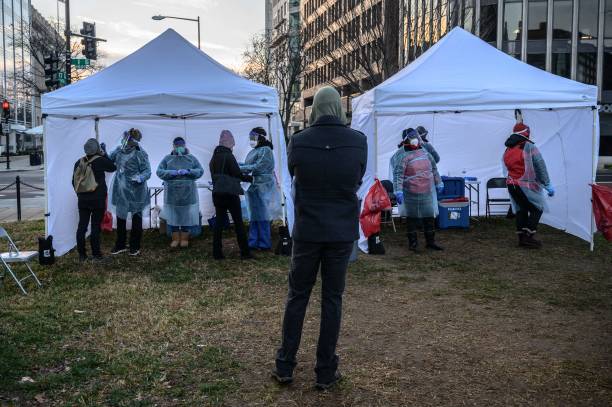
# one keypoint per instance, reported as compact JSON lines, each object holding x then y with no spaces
{"x":375,"y":145}
{"x":593,"y":175}
{"x":97,"y":120}
{"x":280,"y":168}
{"x":46,"y":168}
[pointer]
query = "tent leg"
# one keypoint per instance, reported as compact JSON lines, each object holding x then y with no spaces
{"x":97,"y":130}
{"x":593,"y":176}
{"x":46,"y":168}
{"x":375,"y":146}
{"x":280,"y":170}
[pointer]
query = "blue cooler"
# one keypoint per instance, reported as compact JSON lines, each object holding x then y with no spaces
{"x":454,"y":187}
{"x":454,"y":215}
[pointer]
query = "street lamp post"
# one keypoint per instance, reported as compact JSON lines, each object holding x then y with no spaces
{"x":197,"y":20}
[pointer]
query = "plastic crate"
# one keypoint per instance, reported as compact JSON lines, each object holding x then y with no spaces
{"x":454,"y":187}
{"x":454,"y":215}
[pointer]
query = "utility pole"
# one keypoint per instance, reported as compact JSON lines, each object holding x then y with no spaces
{"x":68,"y":49}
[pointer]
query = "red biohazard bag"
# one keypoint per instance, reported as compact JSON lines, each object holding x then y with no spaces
{"x":602,"y":209}
{"x":107,"y":220}
{"x":376,"y":201}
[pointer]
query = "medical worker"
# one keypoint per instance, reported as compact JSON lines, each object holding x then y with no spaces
{"x":263,"y":196}
{"x":179,"y":170}
{"x":129,"y":191}
{"x":527,"y":177}
{"x":422,"y":131}
{"x":416,"y":182}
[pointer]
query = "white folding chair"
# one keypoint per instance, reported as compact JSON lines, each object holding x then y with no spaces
{"x":14,"y":256}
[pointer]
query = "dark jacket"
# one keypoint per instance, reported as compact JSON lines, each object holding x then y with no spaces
{"x":230,"y":167}
{"x":328,"y":161}
{"x":97,"y":198}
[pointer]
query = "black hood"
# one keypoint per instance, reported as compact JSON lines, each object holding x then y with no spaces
{"x":516,"y":139}
{"x":222,"y":150}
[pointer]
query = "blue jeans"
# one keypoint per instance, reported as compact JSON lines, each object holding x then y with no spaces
{"x":259,"y":235}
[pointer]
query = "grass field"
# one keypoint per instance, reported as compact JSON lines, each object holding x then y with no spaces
{"x":482,"y":323}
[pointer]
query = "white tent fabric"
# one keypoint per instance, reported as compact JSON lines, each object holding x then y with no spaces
{"x":467,"y":104}
{"x":195,"y":98}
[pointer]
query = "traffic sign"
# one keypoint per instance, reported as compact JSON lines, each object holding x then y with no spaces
{"x":80,"y":62}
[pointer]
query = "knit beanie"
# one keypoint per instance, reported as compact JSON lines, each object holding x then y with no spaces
{"x":91,"y":147}
{"x":522,"y":130}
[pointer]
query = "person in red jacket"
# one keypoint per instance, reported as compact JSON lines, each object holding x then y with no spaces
{"x":527,"y":177}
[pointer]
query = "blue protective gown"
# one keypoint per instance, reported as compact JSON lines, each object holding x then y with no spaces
{"x":127,"y":195}
{"x":263,"y":195}
{"x":181,"y":200}
{"x":416,"y":174}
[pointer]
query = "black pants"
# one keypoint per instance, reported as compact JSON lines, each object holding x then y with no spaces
{"x":307,"y":258}
{"x":135,"y":234}
{"x":85,"y":215}
{"x":224,"y":203}
{"x":527,"y":214}
{"x":414,"y":223}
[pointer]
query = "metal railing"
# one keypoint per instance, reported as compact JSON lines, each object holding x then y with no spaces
{"x":18,"y":184}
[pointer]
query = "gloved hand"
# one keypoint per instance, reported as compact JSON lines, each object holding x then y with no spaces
{"x":550,"y":189}
{"x":173,"y":173}
{"x":138,"y":179}
{"x":440,"y":188}
{"x":399,"y":197}
{"x":183,"y":172}
{"x":103,"y":148}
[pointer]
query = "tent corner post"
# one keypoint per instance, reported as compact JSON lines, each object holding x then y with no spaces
{"x":280,"y":168}
{"x":375,"y":145}
{"x":45,"y":169}
{"x":593,"y":175}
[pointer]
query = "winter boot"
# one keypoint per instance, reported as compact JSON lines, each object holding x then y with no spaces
{"x":531,"y":240}
{"x":413,"y":241}
{"x":184,"y":239}
{"x":176,"y":239}
{"x":430,"y":238}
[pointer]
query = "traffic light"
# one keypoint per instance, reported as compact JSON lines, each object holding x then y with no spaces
{"x":90,"y":47}
{"x":6,"y":109}
{"x":51,"y":71}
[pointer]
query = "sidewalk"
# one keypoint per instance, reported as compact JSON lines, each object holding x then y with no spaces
{"x":31,"y":209}
{"x":19,"y":163}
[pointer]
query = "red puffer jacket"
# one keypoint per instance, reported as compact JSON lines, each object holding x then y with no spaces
{"x":514,"y":158}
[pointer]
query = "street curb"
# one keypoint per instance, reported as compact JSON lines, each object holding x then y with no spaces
{"x":22,"y":170}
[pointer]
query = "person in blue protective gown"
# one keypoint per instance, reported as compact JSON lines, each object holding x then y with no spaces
{"x":263,"y":195}
{"x":179,"y":170}
{"x":416,"y":182}
{"x":129,"y":191}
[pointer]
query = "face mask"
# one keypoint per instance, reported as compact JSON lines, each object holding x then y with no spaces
{"x":414,"y":142}
{"x":253,"y":143}
{"x":180,"y":150}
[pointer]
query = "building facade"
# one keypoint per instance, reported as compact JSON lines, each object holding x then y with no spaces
{"x":349,"y":44}
{"x":570,"y":38}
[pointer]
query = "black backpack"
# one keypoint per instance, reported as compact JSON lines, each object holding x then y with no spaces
{"x":375,"y":245}
{"x":46,"y":252}
{"x":285,"y":244}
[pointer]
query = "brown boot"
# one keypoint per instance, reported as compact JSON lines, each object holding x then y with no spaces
{"x":176,"y":240}
{"x":184,"y":239}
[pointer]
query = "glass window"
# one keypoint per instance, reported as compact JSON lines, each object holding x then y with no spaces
{"x":588,"y":13}
{"x":607,"y":72}
{"x":536,"y":33}
{"x":512,"y":30}
{"x":562,"y":64}
{"x":562,"y":19}
{"x":488,"y":20}
{"x":608,"y":20}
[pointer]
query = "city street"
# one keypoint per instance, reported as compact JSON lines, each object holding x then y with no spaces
{"x":32,"y":200}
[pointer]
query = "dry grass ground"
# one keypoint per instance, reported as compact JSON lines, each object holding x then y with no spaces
{"x":483,"y":323}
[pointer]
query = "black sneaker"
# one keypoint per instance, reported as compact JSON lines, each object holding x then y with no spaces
{"x":329,"y":384}
{"x":118,"y":250}
{"x":83,"y":258}
{"x":99,"y":259}
{"x":134,"y":252}
{"x":282,"y":378}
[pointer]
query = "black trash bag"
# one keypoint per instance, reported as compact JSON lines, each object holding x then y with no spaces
{"x":46,"y":252}
{"x":285,"y":244}
{"x":375,"y":245}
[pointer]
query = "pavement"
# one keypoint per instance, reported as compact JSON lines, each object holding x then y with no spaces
{"x":32,"y":199}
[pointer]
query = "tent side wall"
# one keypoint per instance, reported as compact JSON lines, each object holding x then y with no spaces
{"x":65,"y":138}
{"x":472,"y":144}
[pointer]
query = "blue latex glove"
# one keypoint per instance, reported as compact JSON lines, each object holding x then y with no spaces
{"x":103,"y":148}
{"x":550,"y":189}
{"x":183,"y":172}
{"x":440,"y":187}
{"x":173,"y":173}
{"x":138,"y":179}
{"x":399,"y":197}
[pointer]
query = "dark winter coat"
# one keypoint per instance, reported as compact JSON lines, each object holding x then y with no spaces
{"x":328,"y":161}
{"x":230,"y":167}
{"x":97,"y":198}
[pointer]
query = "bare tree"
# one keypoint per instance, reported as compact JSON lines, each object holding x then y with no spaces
{"x":279,"y":62}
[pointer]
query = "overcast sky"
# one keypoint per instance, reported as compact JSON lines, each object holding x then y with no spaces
{"x":227,"y":25}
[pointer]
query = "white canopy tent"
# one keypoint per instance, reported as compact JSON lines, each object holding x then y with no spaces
{"x":465,"y":92}
{"x":168,"y":88}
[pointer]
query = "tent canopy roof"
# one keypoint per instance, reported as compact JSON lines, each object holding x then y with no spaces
{"x":166,"y":76}
{"x":462,"y":72}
